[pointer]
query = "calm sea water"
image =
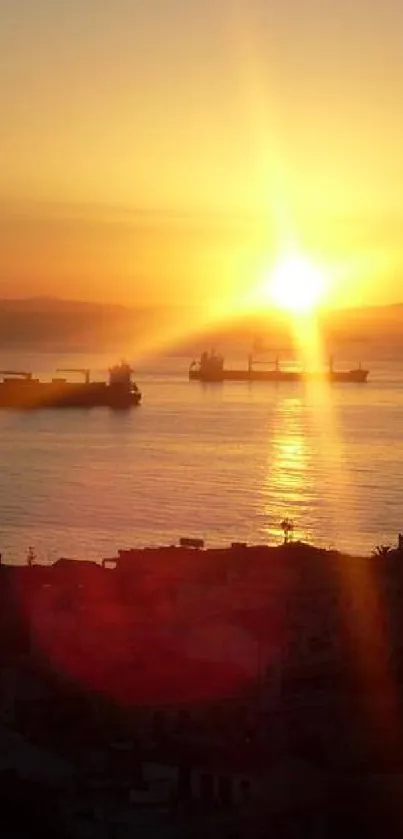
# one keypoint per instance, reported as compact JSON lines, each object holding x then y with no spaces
{"x":220,"y":462}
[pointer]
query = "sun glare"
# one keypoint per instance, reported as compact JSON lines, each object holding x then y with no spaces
{"x":296,"y":284}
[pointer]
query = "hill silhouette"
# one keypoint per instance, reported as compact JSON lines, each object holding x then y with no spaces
{"x":57,"y":325}
{"x":45,"y":323}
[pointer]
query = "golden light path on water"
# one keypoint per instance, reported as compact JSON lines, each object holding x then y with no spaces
{"x":296,"y":284}
{"x":288,"y":465}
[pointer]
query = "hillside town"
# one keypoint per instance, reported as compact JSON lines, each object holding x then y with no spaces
{"x":248,"y":691}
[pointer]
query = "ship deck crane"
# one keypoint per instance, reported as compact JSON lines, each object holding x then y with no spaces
{"x":252,"y":360}
{"x":21,"y":373}
{"x":84,"y":371}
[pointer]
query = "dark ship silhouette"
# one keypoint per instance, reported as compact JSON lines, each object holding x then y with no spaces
{"x":22,"y":390}
{"x":210,"y":368}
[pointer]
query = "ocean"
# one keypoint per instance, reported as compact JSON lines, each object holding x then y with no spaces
{"x":221,"y":462}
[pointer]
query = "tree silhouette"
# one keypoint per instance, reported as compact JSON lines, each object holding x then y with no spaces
{"x":31,"y":556}
{"x":381,"y":550}
{"x":287,"y":527}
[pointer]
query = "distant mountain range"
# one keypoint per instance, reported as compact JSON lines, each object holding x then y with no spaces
{"x":69,"y":325}
{"x":44,"y":323}
{"x":51,"y":304}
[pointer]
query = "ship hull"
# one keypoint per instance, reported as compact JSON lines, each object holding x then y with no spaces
{"x":28,"y":395}
{"x":281,"y":376}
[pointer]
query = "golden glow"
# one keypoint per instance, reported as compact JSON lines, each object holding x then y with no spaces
{"x":296,"y":284}
{"x":289,"y":470}
{"x":258,"y":149}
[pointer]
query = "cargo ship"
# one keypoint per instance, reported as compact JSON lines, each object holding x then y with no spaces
{"x":22,"y":390}
{"x":210,"y":368}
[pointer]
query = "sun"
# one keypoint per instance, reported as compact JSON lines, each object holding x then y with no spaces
{"x":296,"y":284}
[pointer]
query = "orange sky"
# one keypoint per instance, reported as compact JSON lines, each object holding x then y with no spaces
{"x":167,"y":149}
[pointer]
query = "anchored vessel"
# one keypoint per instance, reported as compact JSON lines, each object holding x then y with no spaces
{"x":19,"y":389}
{"x":210,"y":368}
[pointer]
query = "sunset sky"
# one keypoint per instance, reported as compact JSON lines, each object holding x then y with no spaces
{"x":169,"y":149}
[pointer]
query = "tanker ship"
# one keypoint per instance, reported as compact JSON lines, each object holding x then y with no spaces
{"x":22,"y":390}
{"x":210,"y":368}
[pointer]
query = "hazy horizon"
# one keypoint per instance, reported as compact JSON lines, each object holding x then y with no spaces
{"x":270,"y":314}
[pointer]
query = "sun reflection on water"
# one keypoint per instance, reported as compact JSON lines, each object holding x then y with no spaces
{"x":288,"y":468}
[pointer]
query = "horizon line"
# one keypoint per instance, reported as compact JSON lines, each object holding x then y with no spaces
{"x":49,"y":298}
